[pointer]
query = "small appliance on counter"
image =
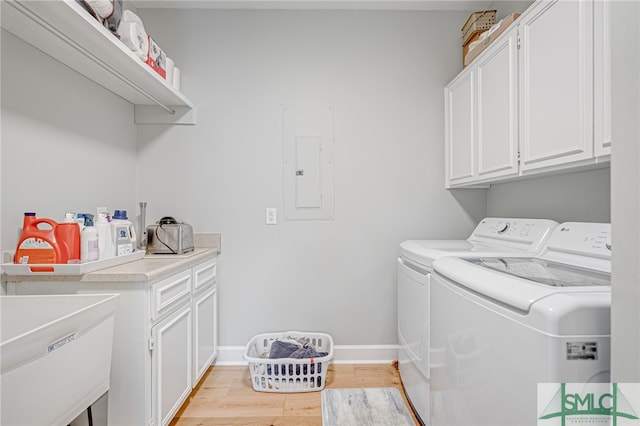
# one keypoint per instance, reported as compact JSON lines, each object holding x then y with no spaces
{"x":168,"y":236}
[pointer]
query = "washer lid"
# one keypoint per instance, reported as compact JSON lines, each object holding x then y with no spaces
{"x":424,"y":252}
{"x":510,"y":290}
{"x":544,"y":271}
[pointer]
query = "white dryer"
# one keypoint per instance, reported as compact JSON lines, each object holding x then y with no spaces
{"x":501,"y":325}
{"x":492,"y":236}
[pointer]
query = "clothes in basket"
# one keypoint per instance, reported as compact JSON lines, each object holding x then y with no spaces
{"x":296,"y":349}
{"x":292,"y":348}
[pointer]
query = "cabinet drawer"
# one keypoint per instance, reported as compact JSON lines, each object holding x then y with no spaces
{"x":169,"y":293}
{"x":203,"y":274}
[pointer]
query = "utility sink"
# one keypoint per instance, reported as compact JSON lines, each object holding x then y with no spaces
{"x":55,"y":356}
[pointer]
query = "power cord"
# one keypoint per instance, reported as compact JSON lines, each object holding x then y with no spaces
{"x":162,"y":242}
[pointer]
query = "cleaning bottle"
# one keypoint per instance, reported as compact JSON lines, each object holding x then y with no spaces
{"x":124,"y":235}
{"x":89,"y":240}
{"x":106,"y":248}
{"x":80,"y":219}
{"x":105,"y":211}
{"x":38,"y":244}
{"x":68,"y":236}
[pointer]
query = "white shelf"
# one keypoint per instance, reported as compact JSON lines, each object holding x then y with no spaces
{"x":65,"y":31}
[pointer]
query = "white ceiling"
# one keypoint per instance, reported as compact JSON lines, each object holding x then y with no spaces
{"x":461,"y":5}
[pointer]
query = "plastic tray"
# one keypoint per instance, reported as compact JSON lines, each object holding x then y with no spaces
{"x":69,"y":269}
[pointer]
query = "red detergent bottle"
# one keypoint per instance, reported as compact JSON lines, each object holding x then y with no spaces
{"x":68,"y":236}
{"x":38,"y":243}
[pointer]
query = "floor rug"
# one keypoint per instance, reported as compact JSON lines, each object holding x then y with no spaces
{"x":364,"y":406}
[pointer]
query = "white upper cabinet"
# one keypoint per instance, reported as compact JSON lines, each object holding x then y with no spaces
{"x":481,"y":117}
{"x":538,"y":101}
{"x":602,"y":78}
{"x":497,"y":132}
{"x":460,"y":129}
{"x":556,"y":80}
{"x":65,"y":31}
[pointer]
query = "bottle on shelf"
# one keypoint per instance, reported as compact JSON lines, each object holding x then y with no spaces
{"x":106,"y":249}
{"x":68,"y":235}
{"x":38,"y":244}
{"x":89,"y":248}
{"x":124,"y":234}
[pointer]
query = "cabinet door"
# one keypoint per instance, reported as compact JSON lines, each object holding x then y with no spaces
{"x":602,"y":78}
{"x":205,"y":331}
{"x":556,"y":80}
{"x":497,"y":118}
{"x":459,"y":129}
{"x":171,"y":364}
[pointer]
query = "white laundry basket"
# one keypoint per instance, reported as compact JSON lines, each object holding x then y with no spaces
{"x":288,"y":374}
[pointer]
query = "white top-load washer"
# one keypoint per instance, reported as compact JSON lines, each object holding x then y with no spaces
{"x":501,"y":325}
{"x":491,"y":237}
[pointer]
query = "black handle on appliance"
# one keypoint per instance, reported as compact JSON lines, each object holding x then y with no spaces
{"x":168,"y":220}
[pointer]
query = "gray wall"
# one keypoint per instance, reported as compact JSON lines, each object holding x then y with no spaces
{"x":384,"y":73}
{"x":625,"y":197}
{"x":67,"y":144}
{"x":505,"y":8}
{"x":573,"y":197}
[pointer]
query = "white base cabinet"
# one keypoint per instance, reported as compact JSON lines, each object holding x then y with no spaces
{"x":171,"y":364}
{"x":538,"y":98}
{"x":165,"y":334}
{"x":205,"y":324}
{"x":205,"y":318}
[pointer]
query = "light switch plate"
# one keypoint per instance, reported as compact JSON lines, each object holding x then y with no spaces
{"x":271,"y":216}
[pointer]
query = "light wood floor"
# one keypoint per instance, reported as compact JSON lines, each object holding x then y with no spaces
{"x":225,"y":396}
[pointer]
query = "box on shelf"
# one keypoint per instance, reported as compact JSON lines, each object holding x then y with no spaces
{"x":156,"y":58}
{"x":477,"y":22}
{"x":488,"y":38}
{"x":467,"y":45}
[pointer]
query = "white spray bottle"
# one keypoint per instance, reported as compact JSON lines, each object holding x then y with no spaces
{"x":106,"y":248}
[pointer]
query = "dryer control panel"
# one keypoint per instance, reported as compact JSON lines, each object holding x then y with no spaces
{"x":526,"y":232}
{"x":587,"y":239}
{"x":583,"y":244}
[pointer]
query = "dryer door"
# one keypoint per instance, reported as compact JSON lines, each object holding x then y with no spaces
{"x":413,"y":313}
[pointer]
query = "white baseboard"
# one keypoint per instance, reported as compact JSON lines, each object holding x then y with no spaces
{"x":342,"y":354}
